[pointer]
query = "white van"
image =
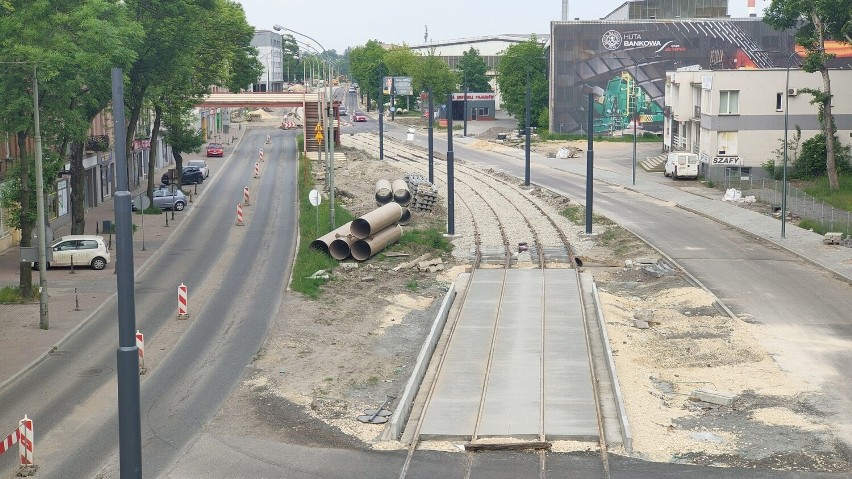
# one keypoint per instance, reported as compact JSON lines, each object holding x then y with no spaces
{"x":682,"y":165}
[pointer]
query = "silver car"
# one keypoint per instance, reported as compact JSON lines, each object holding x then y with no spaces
{"x":166,"y":199}
{"x":201,"y":165}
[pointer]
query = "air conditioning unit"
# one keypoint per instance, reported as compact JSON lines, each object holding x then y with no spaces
{"x":792,"y":91}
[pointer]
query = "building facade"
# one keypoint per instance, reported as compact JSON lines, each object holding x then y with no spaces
{"x":734,"y":119}
{"x":271,"y":55}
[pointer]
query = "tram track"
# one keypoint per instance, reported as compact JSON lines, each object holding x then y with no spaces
{"x":472,"y":185}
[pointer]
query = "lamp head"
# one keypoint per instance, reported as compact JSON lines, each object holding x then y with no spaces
{"x":277,"y":27}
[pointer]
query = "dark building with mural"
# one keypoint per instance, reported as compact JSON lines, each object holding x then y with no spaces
{"x":623,"y":64}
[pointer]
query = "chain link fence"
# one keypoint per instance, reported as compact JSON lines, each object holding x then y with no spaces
{"x":800,"y":205}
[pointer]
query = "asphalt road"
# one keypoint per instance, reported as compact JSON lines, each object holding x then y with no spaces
{"x":238,"y":273}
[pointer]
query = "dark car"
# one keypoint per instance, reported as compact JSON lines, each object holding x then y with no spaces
{"x":215,"y":149}
{"x":191,"y":175}
{"x":359,"y":116}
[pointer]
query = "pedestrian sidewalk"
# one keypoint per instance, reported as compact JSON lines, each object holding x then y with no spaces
{"x":76,"y":294}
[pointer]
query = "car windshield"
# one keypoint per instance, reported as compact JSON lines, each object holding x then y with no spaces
{"x":214,"y":145}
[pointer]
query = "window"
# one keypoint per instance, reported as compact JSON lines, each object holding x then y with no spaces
{"x":727,"y":141}
{"x":729,"y":102}
{"x":779,"y":105}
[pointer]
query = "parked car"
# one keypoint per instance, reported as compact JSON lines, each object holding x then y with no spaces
{"x":215,"y":149}
{"x":166,"y":199}
{"x":352,"y":89}
{"x":359,"y":116}
{"x":79,"y":250}
{"x":343,"y":111}
{"x":190,"y":175}
{"x":681,"y":165}
{"x":201,"y":165}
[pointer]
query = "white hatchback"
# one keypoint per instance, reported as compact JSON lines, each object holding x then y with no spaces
{"x":79,"y":250}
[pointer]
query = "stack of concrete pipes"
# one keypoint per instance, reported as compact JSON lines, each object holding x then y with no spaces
{"x":397,"y":192}
{"x":365,"y":236}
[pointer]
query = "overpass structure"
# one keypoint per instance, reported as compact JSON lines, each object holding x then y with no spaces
{"x":311,"y":102}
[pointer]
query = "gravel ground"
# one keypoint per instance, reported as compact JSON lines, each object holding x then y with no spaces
{"x":328,"y":360}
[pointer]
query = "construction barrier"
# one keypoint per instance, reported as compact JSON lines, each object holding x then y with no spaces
{"x":256,"y":169}
{"x":182,"y":314}
{"x":140,"y":345}
{"x":239,"y":215}
{"x":261,"y":154}
{"x":246,"y":196}
{"x":267,"y":139}
{"x":23,"y":435}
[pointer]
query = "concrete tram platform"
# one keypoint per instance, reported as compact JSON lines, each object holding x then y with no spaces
{"x":517,"y":364}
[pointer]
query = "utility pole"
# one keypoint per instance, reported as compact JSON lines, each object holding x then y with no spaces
{"x":43,"y":317}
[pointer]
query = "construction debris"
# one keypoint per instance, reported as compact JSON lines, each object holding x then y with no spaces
{"x":832,"y":238}
{"x":411,"y":264}
{"x":424,"y":194}
{"x":713,"y":397}
{"x":431,"y":266}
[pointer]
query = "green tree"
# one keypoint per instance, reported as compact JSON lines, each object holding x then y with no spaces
{"x":432,"y":71}
{"x":815,"y":22}
{"x":290,"y":57}
{"x":367,"y":65}
{"x":520,"y":63}
{"x":472,"y":70}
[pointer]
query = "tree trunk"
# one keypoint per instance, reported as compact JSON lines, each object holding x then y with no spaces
{"x":78,"y":185}
{"x":827,"y":118}
{"x":152,"y":157}
{"x":26,"y":272}
{"x":135,"y":111}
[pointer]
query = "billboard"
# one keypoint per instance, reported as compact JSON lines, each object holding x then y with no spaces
{"x":400,"y":85}
{"x":623,"y":65}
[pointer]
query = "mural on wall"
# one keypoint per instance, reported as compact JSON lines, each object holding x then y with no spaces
{"x":623,"y":65}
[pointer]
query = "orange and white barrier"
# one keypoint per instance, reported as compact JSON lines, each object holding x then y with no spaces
{"x":182,"y":311}
{"x":140,"y":345}
{"x":246,"y":196}
{"x":23,"y":435}
{"x":261,"y":154}
{"x":267,"y":138}
{"x":239,"y":214}
{"x":256,"y":169}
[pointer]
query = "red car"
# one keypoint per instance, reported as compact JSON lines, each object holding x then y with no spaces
{"x":359,"y":116}
{"x":215,"y":149}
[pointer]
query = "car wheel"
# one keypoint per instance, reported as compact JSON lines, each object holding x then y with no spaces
{"x":98,"y":263}
{"x":179,"y":206}
{"x":200,"y":180}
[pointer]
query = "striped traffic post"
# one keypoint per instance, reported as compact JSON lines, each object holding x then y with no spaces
{"x":239,"y":214}
{"x":256,"y":169}
{"x":267,"y":139}
{"x":182,"y":314}
{"x":25,"y":438}
{"x":140,"y":345}
{"x":261,"y":154}
{"x":246,"y":196}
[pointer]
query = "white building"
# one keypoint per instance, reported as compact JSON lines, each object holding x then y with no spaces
{"x":734,"y":119}
{"x":490,"y":48}
{"x":270,"y":54}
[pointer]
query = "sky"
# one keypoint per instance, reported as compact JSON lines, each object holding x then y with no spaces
{"x":338,"y":24}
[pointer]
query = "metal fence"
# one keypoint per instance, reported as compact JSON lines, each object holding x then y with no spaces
{"x":800,"y":205}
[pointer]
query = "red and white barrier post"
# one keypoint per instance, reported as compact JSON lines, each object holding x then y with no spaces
{"x":256,"y":169}
{"x":182,"y":314}
{"x":239,"y":214}
{"x":246,"y":196}
{"x":25,"y":438}
{"x":261,"y":154}
{"x":140,"y":345}
{"x":267,"y":139}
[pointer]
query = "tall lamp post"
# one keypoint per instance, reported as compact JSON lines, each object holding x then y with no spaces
{"x":330,"y":126}
{"x":635,"y":112}
{"x":786,"y":146}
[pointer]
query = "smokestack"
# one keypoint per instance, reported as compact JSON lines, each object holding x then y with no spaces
{"x":565,"y":10}
{"x":751,"y":8}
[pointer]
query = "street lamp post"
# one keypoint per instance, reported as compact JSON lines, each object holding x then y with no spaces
{"x":786,"y":146}
{"x":635,"y":112}
{"x":43,"y":318}
{"x":330,"y":126}
{"x":465,"y":104}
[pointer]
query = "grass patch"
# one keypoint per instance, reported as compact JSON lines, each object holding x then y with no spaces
{"x":816,"y":226}
{"x":842,"y":198}
{"x":151,"y":210}
{"x":577,"y":215}
{"x":429,"y":238}
{"x":412,"y":285}
{"x":12,"y":295}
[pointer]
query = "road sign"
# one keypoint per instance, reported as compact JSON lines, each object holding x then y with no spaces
{"x":315,"y":198}
{"x":142,"y":202}
{"x":318,"y":136}
{"x":318,"y":128}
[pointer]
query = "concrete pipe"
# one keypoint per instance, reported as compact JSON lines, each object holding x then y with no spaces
{"x":383,"y":192}
{"x":363,"y":249}
{"x":401,"y":193}
{"x":376,"y":220}
{"x":323,"y":243}
{"x":340,"y":247}
{"x":406,"y":217}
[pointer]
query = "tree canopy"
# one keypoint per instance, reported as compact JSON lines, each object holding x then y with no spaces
{"x":473,"y":71}
{"x":521,"y":63}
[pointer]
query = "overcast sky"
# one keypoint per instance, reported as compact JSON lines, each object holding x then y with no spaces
{"x":338,"y":24}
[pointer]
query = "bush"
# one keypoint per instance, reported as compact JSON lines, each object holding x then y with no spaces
{"x":12,"y":295}
{"x":811,"y":162}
